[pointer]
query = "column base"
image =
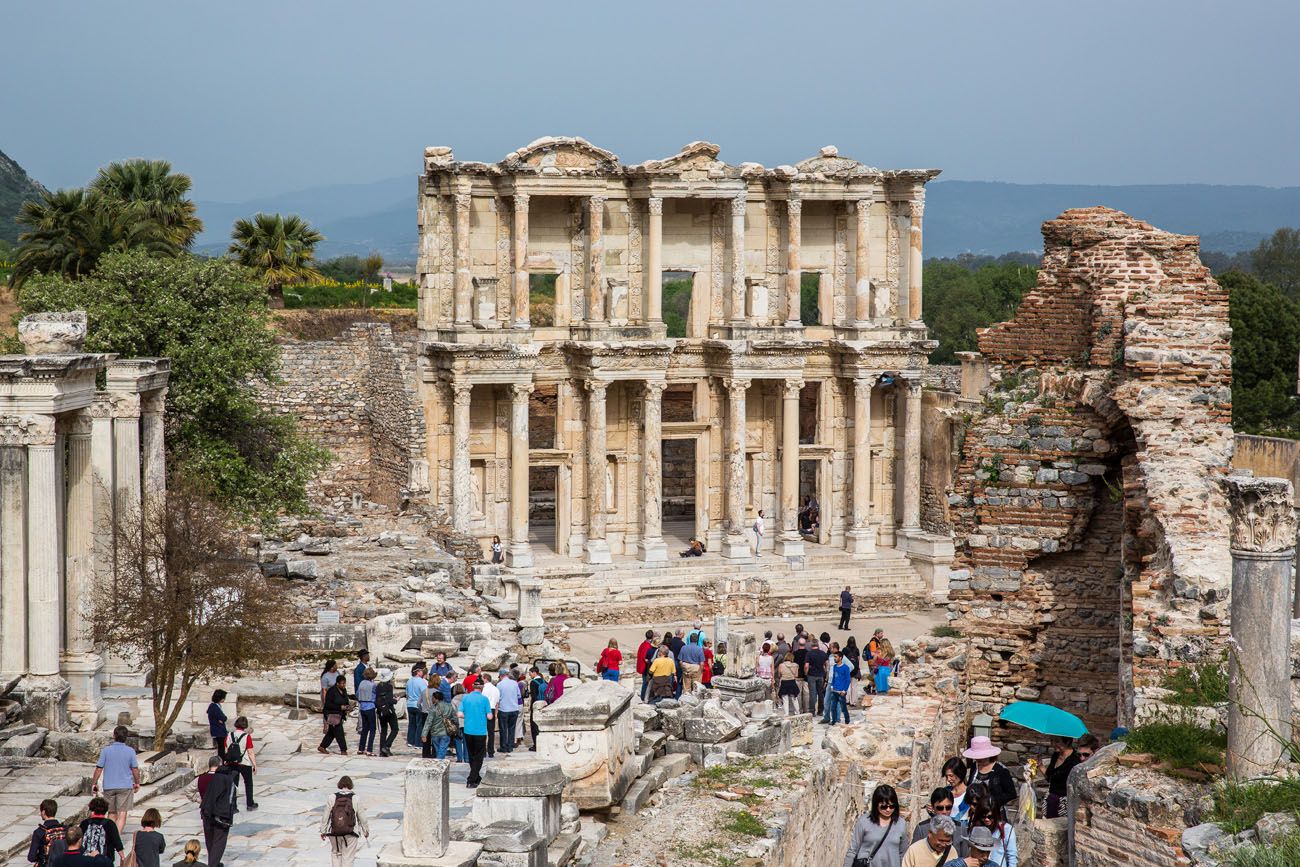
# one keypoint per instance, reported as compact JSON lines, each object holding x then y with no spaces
{"x":597,"y":552}
{"x":82,"y":673}
{"x":790,"y":545}
{"x":860,"y":541}
{"x":458,"y":854}
{"x":45,"y":701}
{"x":652,"y":551}
{"x":521,"y":326}
{"x":792,"y":323}
{"x":519,"y":555}
{"x":737,"y":548}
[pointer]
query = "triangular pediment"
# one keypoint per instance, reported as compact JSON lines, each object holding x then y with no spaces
{"x":697,"y":157}
{"x":829,"y":163}
{"x":562,"y":153}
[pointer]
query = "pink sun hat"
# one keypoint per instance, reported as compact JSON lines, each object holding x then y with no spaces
{"x":981,"y":748}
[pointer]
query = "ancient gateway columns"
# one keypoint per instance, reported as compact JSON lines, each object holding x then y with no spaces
{"x":651,"y":548}
{"x":596,"y":311}
{"x":519,"y":555}
{"x":912,"y":456}
{"x":597,"y":547}
{"x":521,"y":289}
{"x":1262,"y":534}
{"x":654,"y":277}
{"x":793,"y":276}
{"x":790,"y":542}
{"x":862,"y":265}
{"x":914,"y":262}
{"x":735,"y":545}
{"x":862,"y":535}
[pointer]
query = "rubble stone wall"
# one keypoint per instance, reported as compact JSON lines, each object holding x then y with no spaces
{"x":354,"y":394}
{"x":1090,"y":527}
{"x":821,"y":818}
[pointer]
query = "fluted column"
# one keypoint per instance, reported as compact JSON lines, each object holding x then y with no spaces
{"x":912,"y":457}
{"x":738,"y":260}
{"x":790,"y":543}
{"x":461,"y":484}
{"x":862,"y":267}
{"x":1262,"y":532}
{"x":519,"y":555}
{"x":793,"y":276}
{"x":78,"y":662}
{"x":596,"y":260}
{"x":735,"y":545}
{"x":597,"y":547}
{"x":126,"y":457}
{"x":861,"y":536}
{"x":521,"y":312}
{"x":463,"y":287}
{"x":651,"y":548}
{"x":13,"y":560}
{"x":44,"y":571}
{"x":914,"y":263}
{"x":654,"y":275}
{"x":154,"y":455}
{"x":103,"y":483}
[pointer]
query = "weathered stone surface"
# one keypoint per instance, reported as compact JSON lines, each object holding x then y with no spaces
{"x":53,"y":333}
{"x":712,"y":730}
{"x":525,"y":789}
{"x":589,"y":733}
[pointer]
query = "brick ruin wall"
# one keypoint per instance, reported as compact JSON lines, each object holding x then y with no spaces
{"x":1090,"y":528}
{"x":355,"y":394}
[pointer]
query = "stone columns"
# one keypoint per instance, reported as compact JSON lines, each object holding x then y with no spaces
{"x":1262,"y":531}
{"x":521,"y":261}
{"x":862,"y":267}
{"x":13,"y":561}
{"x":154,"y":458}
{"x":654,"y":274}
{"x":103,"y":483}
{"x":790,"y":542}
{"x":914,"y":263}
{"x":912,"y":457}
{"x":738,"y":205}
{"x":461,"y":483}
{"x":81,"y":516}
{"x":651,"y":548}
{"x":596,"y":260}
{"x":44,"y":572}
{"x":519,"y":554}
{"x":793,"y":276}
{"x":597,"y":547}
{"x":126,"y":457}
{"x":861,"y":537}
{"x":463,"y":286}
{"x":734,"y":544}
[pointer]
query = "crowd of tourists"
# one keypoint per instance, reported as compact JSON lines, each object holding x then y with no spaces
{"x":966,"y":820}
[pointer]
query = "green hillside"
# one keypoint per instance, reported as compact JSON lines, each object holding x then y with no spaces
{"x":16,"y":187}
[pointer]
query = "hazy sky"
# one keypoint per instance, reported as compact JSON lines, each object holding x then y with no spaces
{"x":263,"y":97}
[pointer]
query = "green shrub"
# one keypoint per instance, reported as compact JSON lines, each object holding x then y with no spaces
{"x":1282,"y":853}
{"x":945,"y":631}
{"x":744,"y":823}
{"x":1238,"y":806}
{"x":1203,"y":685}
{"x":1179,"y":739}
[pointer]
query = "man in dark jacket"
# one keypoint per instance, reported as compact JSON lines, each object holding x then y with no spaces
{"x":218,"y":811}
{"x":76,"y":856}
{"x":47,"y":839}
{"x":846,"y":607}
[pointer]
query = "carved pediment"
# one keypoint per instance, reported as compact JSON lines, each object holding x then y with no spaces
{"x":699,"y":158}
{"x":563,"y":154}
{"x":829,"y":163}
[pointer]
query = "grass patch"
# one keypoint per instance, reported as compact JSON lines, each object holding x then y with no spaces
{"x":1203,"y":685}
{"x":1238,"y":806}
{"x":744,"y":823}
{"x":945,"y":631}
{"x":1283,"y":853}
{"x":1179,"y":740}
{"x":709,"y":852}
{"x":721,"y":776}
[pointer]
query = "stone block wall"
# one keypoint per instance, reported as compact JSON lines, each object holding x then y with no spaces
{"x":354,"y":394}
{"x":821,"y":818}
{"x":1090,"y":527}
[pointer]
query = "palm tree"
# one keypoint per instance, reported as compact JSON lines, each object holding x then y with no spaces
{"x":150,"y":190}
{"x":280,"y":249}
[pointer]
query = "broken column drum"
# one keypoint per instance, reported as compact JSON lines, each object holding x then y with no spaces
{"x":524,"y":789}
{"x":589,"y":733}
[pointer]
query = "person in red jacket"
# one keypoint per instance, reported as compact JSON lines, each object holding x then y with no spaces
{"x":706,"y":671}
{"x":610,"y":661}
{"x":643,"y":654}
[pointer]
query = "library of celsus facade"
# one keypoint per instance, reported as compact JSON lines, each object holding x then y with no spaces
{"x":570,"y":417}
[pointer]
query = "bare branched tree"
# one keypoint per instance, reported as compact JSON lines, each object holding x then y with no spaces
{"x":185,"y":599}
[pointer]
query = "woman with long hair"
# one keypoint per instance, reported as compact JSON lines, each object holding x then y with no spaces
{"x":987,"y":814}
{"x":190,"y":855}
{"x":955,"y":772}
{"x":880,"y":835}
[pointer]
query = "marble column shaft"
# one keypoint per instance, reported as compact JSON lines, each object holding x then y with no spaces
{"x":596,"y":259}
{"x":154,"y":454}
{"x":461,"y":485}
{"x":652,"y":513}
{"x":912,"y":457}
{"x":597,"y":549}
{"x":793,"y":276}
{"x":103,"y":486}
{"x":126,"y":459}
{"x":862,"y":267}
{"x":520,"y":554}
{"x":80,"y":564}
{"x":654,"y":276}
{"x":44,"y":572}
{"x":13,"y":560}
{"x":862,"y":452}
{"x":736,"y":455}
{"x":914,"y":263}
{"x":738,"y":205}
{"x":463,"y":286}
{"x":521,"y":278}
{"x":790,"y":459}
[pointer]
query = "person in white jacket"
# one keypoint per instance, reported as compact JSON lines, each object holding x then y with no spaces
{"x":343,"y":823}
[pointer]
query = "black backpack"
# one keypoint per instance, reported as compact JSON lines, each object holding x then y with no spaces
{"x":235,"y":751}
{"x":54,"y":844}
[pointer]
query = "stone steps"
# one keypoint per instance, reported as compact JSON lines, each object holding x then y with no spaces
{"x":661,"y":771}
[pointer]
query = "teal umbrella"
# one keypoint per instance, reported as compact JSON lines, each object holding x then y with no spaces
{"x":1044,"y":719}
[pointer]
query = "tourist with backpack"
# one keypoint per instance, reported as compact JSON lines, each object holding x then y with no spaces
{"x":478,"y":716}
{"x":239,"y":753}
{"x":48,"y":838}
{"x":344,"y":824}
{"x":440,"y":727}
{"x":99,"y":833}
{"x":76,"y":855}
{"x":217,"y":809}
{"x":369,"y":716}
{"x":386,"y":708}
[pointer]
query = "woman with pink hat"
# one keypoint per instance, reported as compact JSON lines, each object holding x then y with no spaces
{"x":989,"y":772}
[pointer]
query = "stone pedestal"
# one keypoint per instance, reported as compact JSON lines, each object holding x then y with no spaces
{"x":742,"y":650}
{"x":1262,"y":538}
{"x":742,"y":689}
{"x":931,"y":555}
{"x":589,"y":734}
{"x":426,"y":836}
{"x":45,"y":701}
{"x":525,"y":789}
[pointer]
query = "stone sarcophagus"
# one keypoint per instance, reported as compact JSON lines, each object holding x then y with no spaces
{"x":589,"y":733}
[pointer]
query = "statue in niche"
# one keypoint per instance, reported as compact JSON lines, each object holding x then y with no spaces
{"x":610,"y":473}
{"x":476,"y":490}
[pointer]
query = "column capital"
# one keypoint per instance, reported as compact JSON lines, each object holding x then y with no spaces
{"x":916,"y":208}
{"x":864,"y":206}
{"x":913,"y":386}
{"x":154,"y":402}
{"x":596,"y":387}
{"x":521,"y":202}
{"x":794,"y":205}
{"x":654,"y":389}
{"x":738,"y":205}
{"x":1261,"y":514}
{"x":28,"y":430}
{"x":862,"y":388}
{"x":595,"y":202}
{"x":735,"y":384}
{"x":521,"y":390}
{"x":462,"y":200}
{"x":793,"y":388}
{"x":460,"y":390}
{"x":654,"y":206}
{"x":76,"y":424}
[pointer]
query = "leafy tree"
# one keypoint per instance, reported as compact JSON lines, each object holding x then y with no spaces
{"x":676,"y":306}
{"x":1277,"y":260}
{"x":148,"y":190}
{"x":810,"y":298}
{"x":1265,"y":348}
{"x":279,"y":249}
{"x":186,"y":601}
{"x":210,"y":318}
{"x":958,"y":300}
{"x":371,"y":266}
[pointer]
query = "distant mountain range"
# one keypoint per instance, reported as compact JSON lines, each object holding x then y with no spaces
{"x":16,"y":187}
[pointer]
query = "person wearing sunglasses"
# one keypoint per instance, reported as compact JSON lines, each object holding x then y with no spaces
{"x":880,"y":837}
{"x":936,"y":847}
{"x":941,"y":803}
{"x":1065,"y":758}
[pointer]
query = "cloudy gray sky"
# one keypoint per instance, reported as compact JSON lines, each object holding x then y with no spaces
{"x":262,"y":96}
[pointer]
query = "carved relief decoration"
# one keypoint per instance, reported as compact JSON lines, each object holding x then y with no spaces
{"x":1261,"y":514}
